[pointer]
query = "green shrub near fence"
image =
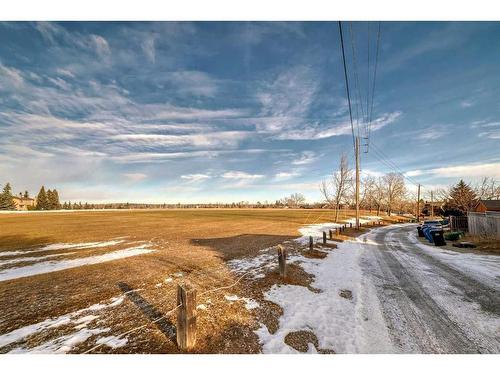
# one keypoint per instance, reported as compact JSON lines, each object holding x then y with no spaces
{"x":453,"y":236}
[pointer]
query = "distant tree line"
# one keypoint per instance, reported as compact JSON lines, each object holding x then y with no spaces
{"x":389,"y":193}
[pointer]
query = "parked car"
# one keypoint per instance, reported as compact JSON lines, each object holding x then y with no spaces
{"x":424,"y":229}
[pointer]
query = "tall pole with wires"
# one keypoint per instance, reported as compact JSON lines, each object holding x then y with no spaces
{"x":418,"y":203}
{"x":357,"y":182}
{"x":355,"y":141}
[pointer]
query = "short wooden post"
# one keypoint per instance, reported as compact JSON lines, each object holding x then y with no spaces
{"x":311,"y":243}
{"x":324,"y":238}
{"x":282,"y":260}
{"x":350,"y":225}
{"x":186,"y":316}
{"x":330,"y":234}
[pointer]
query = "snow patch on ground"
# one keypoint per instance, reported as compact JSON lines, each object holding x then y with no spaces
{"x":64,"y":246}
{"x":484,"y":268}
{"x":250,"y":304}
{"x":112,"y":341}
{"x":361,"y":220}
{"x":314,"y":230}
{"x":63,"y":344}
{"x":255,"y":265}
{"x":52,"y":266}
{"x":30,"y":259}
{"x":344,"y":325}
{"x":75,"y":318}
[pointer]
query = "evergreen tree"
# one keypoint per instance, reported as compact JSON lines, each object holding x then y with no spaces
{"x":26,"y":194}
{"x":462,"y":198}
{"x":53,"y":200}
{"x":6,"y":201}
{"x":50,"y":200}
{"x":41,"y":200}
{"x":57,"y":204}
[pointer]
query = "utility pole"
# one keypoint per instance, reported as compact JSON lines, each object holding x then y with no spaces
{"x":357,"y":182}
{"x":432,"y":205}
{"x":418,"y":203}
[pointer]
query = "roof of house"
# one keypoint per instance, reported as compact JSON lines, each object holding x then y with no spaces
{"x":23,"y":198}
{"x":490,"y":204}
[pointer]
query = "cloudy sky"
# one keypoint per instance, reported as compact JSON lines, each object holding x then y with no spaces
{"x":191,"y":112}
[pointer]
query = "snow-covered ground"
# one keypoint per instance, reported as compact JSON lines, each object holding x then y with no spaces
{"x":40,"y":264}
{"x":58,"y":265}
{"x":485,"y":268}
{"x":340,"y":324}
{"x":77,"y":320}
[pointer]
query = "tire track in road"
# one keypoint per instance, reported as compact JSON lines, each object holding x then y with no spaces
{"x":416,"y":322}
{"x":476,"y":291}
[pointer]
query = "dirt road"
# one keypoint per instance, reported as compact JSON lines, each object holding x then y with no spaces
{"x":433,"y":300}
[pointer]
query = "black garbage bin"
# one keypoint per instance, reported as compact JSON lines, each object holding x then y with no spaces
{"x":438,"y":237}
{"x":420,"y":231}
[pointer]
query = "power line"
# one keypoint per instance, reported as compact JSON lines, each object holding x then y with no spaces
{"x":346,"y":82}
{"x":381,"y":156}
{"x":357,"y":86}
{"x":373,"y":86}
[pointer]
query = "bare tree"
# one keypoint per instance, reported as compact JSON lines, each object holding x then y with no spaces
{"x":336,"y":189}
{"x":488,"y":188}
{"x":294,"y":200}
{"x":395,"y":189}
{"x":379,"y":194}
{"x":368,"y":192}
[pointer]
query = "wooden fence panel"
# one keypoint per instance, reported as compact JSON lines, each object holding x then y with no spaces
{"x":484,"y":224}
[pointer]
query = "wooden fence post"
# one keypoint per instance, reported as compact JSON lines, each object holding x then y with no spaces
{"x":311,"y":242}
{"x":330,"y":233}
{"x":324,"y":238}
{"x":282,"y":260}
{"x":350,"y":225}
{"x":186,"y":316}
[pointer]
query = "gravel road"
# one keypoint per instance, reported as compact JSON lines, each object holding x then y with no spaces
{"x":433,"y":300}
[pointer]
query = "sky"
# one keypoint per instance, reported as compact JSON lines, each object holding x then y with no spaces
{"x":242,"y":111}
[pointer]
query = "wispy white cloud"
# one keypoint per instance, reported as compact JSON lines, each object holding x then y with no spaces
{"x":239,"y":175}
{"x":148,"y":47}
{"x":215,"y":139}
{"x":286,"y":175}
{"x":461,"y":171}
{"x":306,"y":157}
{"x":432,"y":133}
{"x":135,"y":177}
{"x":195,"y":177}
{"x":466,"y":103}
{"x":488,"y":129}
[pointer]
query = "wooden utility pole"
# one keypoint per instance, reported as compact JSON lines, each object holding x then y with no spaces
{"x":432,"y":205}
{"x":418,"y":203}
{"x":357,"y":182}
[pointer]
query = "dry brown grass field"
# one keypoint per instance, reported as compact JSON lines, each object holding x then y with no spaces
{"x":191,"y":245}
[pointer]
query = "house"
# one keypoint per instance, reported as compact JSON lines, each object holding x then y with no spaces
{"x":484,"y":205}
{"x":432,"y":207}
{"x":22,"y":203}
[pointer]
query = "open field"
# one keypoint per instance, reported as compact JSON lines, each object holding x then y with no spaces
{"x":150,"y":252}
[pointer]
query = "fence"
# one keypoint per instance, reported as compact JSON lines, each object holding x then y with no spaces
{"x":187,"y":294}
{"x":458,"y":224}
{"x":485,"y":224}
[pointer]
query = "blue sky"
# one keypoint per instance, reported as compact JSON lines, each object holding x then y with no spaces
{"x":217,"y":111}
